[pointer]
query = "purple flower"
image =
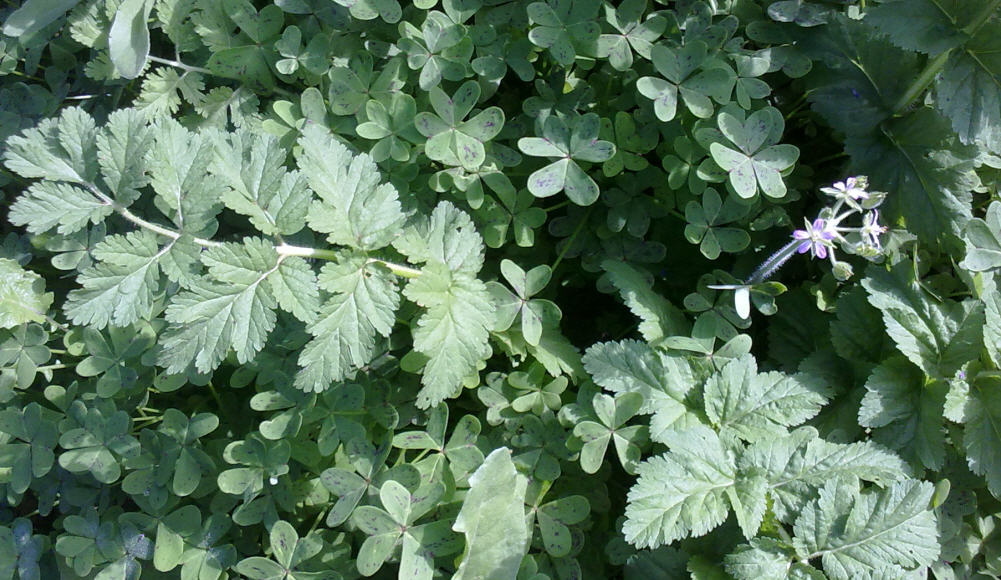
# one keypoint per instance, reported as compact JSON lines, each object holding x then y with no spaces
{"x":852,"y":189}
{"x":816,"y":238}
{"x":871,"y":229}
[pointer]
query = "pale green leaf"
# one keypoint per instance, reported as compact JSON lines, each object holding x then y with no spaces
{"x":62,"y":149}
{"x":35,"y":15}
{"x":233,"y":311}
{"x":163,"y":88}
{"x":362,"y":307}
{"x":177,"y":162}
{"x":452,"y":332}
{"x":799,"y":463}
{"x":354,"y":209}
{"x":128,"y":39}
{"x":47,"y":204}
{"x":980,"y":411}
{"x":681,"y":493}
{"x":22,"y":295}
{"x":663,"y":380}
{"x":752,"y":405}
{"x":121,"y":286}
{"x":939,"y":337}
{"x":658,"y":317}
{"x":295,"y":287}
{"x":447,"y":236}
{"x":906,"y":413}
{"x":258,"y":186}
{"x":983,"y":241}
{"x":122,"y":145}
{"x":492,"y":519}
{"x":857,"y":533}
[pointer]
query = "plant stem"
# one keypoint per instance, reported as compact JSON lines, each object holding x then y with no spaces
{"x":936,"y":64}
{"x":283,"y":250}
{"x":573,"y":237}
{"x":921,"y":83}
{"x":181,"y":65}
{"x":54,"y":367}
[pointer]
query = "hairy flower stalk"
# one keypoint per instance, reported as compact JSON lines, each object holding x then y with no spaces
{"x":820,"y":237}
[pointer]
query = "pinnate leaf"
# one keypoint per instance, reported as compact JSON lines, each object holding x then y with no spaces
{"x":354,"y":209}
{"x":452,"y":332}
{"x":681,"y":493}
{"x":231,"y":309}
{"x":362,"y":307}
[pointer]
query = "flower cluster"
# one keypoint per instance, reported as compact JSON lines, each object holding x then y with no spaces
{"x":823,"y":235}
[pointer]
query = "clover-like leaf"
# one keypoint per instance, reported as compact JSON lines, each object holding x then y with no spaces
{"x":98,"y":445}
{"x":612,"y":414}
{"x":451,"y":139}
{"x":705,"y":221}
{"x":391,"y":124}
{"x":755,"y":163}
{"x":634,"y":32}
{"x":689,"y":74}
{"x":565,"y":27}
{"x":568,"y":144}
{"x":440,"y":49}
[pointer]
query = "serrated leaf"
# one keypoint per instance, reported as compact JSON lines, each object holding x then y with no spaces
{"x":62,"y":149}
{"x":752,"y":405}
{"x":46,"y":205}
{"x":681,"y":493}
{"x":938,"y":337}
{"x":22,"y":295}
{"x":452,"y":332}
{"x":627,"y":366}
{"x":492,"y":520}
{"x":906,"y":411}
{"x":177,"y":162}
{"x":448,"y":236}
{"x":799,"y":463}
{"x":163,"y":88}
{"x":121,"y":286}
{"x":658,"y":317}
{"x":122,"y":145}
{"x":363,"y":306}
{"x":923,"y":25}
{"x":295,"y":287}
{"x":918,"y":158}
{"x":968,"y":91}
{"x":980,"y":411}
{"x":856,"y":533}
{"x":234,"y":311}
{"x":259,"y":187}
{"x":354,"y":209}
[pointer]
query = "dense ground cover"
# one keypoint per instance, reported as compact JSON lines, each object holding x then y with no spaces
{"x":500,"y":289}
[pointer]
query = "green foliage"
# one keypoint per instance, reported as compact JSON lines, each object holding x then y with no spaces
{"x":289,"y":290}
